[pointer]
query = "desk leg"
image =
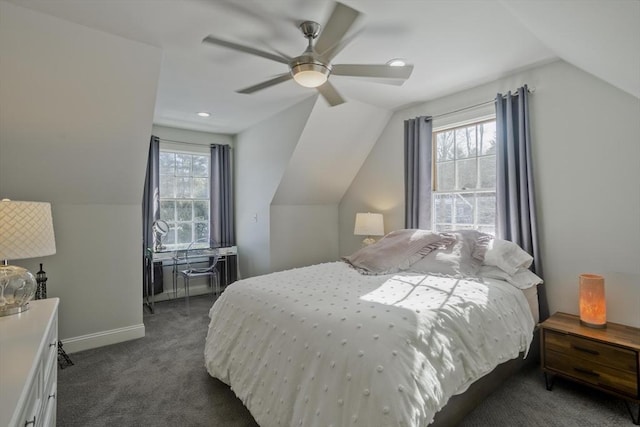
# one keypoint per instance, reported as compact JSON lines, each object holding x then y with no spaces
{"x":153,"y":289}
{"x":226,"y":271}
{"x":149,"y":286}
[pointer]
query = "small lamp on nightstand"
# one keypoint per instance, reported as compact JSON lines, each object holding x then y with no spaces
{"x":593,"y":306}
{"x":369,"y":224}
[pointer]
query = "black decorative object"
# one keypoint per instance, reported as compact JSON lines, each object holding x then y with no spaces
{"x":41,"y":293}
{"x":63,"y":359}
{"x":41,"y":280}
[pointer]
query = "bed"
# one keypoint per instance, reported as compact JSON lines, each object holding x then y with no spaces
{"x":383,"y":343}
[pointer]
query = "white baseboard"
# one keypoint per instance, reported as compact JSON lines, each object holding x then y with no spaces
{"x":100,"y":339}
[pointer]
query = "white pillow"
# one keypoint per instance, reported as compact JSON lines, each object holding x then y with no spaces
{"x":507,"y":255}
{"x":522,"y":279}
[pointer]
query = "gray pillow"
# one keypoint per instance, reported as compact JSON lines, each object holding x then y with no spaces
{"x":457,"y":259}
{"x":396,"y":251}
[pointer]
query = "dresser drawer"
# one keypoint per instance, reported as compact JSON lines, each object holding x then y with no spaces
{"x":26,"y":360}
{"x":48,"y":416}
{"x":50,"y":354}
{"x":592,"y":351}
{"x":623,"y":382}
{"x":31,"y":410}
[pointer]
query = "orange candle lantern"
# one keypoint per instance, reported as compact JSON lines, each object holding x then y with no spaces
{"x":593,"y":307}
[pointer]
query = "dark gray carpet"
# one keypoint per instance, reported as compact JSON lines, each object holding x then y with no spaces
{"x":160,"y":380}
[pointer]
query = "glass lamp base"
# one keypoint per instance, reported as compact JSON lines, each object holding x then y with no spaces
{"x":368,"y":241}
{"x":17,"y":288}
{"x":9,"y":309}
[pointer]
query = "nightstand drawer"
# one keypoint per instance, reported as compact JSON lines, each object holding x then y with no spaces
{"x":624,"y":382}
{"x":592,"y":351}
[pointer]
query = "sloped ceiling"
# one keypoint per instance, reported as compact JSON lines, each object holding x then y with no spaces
{"x":601,"y":37}
{"x":453,"y":44}
{"x":333,"y":145}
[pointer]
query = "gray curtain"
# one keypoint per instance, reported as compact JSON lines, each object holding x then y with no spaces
{"x":417,"y":172}
{"x":151,"y":212}
{"x":222,"y":217}
{"x":515,"y":192}
{"x":222,"y":213}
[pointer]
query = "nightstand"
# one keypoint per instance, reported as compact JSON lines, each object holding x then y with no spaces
{"x":607,"y":359}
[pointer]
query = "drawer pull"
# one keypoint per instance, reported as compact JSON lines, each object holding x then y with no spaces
{"x":53,"y":344}
{"x":32,"y":422}
{"x":586,"y":371}
{"x":52,"y":396}
{"x":586,"y":350}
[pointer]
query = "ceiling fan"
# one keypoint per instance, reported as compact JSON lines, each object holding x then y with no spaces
{"x":313,"y":67}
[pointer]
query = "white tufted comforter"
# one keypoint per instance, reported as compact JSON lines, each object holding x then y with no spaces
{"x":325,"y":345}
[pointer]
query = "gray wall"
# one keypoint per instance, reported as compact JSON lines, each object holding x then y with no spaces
{"x":586,"y":166}
{"x":303,"y":235}
{"x":293,"y":170}
{"x":76,"y":107}
{"x":261,"y":156}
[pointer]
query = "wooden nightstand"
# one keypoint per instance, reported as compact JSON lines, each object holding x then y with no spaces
{"x":607,"y":359}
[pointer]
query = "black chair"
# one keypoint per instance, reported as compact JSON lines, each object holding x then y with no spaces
{"x":198,"y":253}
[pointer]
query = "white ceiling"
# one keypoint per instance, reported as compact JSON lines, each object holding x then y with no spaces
{"x":452,"y":44}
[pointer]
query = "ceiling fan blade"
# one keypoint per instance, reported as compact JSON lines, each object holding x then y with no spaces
{"x":378,"y":71}
{"x":341,"y":19}
{"x":330,"y":94}
{"x":246,"y":49}
{"x":336,"y":49}
{"x":272,"y":82}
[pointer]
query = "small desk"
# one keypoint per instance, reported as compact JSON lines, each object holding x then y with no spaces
{"x":177,"y":258}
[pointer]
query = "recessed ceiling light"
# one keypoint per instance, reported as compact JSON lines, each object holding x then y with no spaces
{"x":397,"y":62}
{"x":204,"y":114}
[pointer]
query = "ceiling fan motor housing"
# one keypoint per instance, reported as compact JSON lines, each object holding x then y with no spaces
{"x":309,"y":70}
{"x":310,"y":29}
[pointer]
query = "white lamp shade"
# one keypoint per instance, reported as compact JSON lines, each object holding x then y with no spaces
{"x":26,"y":230}
{"x":369,"y":224}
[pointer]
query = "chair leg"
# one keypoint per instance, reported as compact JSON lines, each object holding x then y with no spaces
{"x":212,"y":280}
{"x":175,"y":282}
{"x":186,"y":293}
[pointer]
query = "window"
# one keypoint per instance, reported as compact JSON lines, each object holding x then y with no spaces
{"x":184,"y":196}
{"x":464,"y":178}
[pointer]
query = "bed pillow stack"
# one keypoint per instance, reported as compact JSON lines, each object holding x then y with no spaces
{"x":461,"y":253}
{"x":457,"y":259}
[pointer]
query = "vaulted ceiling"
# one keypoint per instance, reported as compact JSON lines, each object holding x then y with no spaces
{"x":452,"y":44}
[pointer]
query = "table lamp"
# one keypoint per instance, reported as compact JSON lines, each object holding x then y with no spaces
{"x":593,"y":306}
{"x":369,"y":224}
{"x":26,"y":231}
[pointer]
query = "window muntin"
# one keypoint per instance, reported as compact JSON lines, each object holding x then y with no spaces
{"x":464,"y":177}
{"x":184,"y":196}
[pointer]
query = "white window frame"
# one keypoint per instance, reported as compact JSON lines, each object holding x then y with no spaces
{"x":191,"y":150}
{"x":450,"y":125}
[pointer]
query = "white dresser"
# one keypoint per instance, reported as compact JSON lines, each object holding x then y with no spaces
{"x":28,"y":366}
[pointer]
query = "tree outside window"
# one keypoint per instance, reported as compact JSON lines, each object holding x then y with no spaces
{"x":184,"y":196}
{"x":464,"y":178}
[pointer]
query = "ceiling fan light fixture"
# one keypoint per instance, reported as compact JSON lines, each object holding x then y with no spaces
{"x":310,"y":74}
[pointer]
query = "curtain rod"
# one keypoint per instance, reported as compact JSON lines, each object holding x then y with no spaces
{"x":191,"y":143}
{"x":470,"y":107}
